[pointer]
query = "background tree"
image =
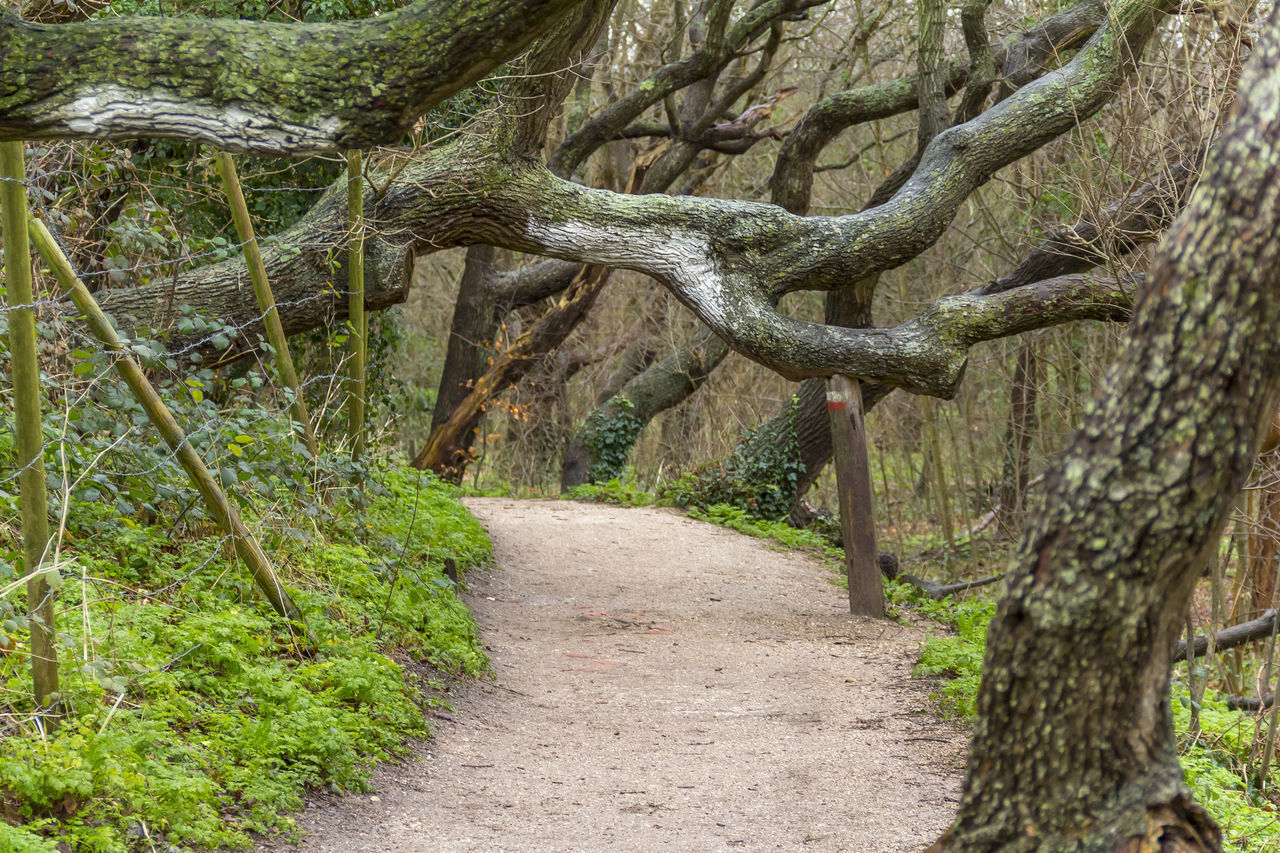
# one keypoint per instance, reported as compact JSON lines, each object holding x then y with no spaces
{"x":1133,"y":513}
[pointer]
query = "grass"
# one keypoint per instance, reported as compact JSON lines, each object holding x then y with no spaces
{"x":195,"y":717}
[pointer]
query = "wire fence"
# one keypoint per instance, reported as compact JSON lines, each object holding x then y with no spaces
{"x":98,"y":447}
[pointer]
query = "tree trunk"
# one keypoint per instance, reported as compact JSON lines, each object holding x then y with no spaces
{"x":471,"y":334}
{"x":1023,"y":423}
{"x":1266,"y":545}
{"x":1074,"y":746}
{"x":446,"y":452}
{"x":599,"y":448}
{"x":256,"y":86}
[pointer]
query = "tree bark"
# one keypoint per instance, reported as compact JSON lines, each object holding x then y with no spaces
{"x":255,"y":86}
{"x":1074,"y":747}
{"x":599,"y":447}
{"x":1023,"y":423}
{"x":447,"y":451}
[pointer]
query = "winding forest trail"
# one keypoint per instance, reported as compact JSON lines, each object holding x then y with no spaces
{"x":663,"y":684}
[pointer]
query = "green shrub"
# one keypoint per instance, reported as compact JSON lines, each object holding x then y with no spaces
{"x":759,"y":477}
{"x":196,"y":717}
{"x":613,"y":491}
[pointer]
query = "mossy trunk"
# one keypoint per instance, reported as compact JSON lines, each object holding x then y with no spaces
{"x":602,"y":444}
{"x":251,"y":85}
{"x":1074,"y":746}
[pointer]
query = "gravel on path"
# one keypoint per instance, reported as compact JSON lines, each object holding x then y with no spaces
{"x":662,"y":684}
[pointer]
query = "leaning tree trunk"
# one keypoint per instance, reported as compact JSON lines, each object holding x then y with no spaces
{"x":1074,"y":746}
{"x":471,"y":335}
{"x":599,"y":448}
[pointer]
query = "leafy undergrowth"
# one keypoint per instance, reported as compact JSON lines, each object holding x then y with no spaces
{"x":784,"y":534}
{"x":627,"y":493}
{"x":194,"y":716}
{"x":1215,"y":763}
{"x":614,"y":491}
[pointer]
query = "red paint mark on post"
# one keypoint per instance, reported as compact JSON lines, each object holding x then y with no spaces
{"x":836,"y":405}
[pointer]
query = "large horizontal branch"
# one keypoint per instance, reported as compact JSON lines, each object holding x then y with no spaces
{"x":730,"y":261}
{"x":309,"y":288}
{"x":1228,"y":638}
{"x":718,"y":257}
{"x":255,"y":86}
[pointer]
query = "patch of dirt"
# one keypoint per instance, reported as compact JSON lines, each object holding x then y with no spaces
{"x":663,"y":684}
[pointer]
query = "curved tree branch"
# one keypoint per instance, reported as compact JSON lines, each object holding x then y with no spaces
{"x":1022,"y":60}
{"x":731,"y":261}
{"x":255,"y":86}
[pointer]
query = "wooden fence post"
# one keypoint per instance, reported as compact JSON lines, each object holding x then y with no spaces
{"x":247,"y":547}
{"x":266,"y":301}
{"x":853,"y":482}
{"x":29,"y":433}
{"x":355,"y":305}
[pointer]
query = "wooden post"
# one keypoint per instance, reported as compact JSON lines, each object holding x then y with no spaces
{"x":266,"y":302}
{"x":853,"y":482}
{"x":29,"y":435}
{"x":355,"y":304}
{"x":247,"y":547}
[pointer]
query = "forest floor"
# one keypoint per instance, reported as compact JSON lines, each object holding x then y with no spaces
{"x":662,"y":684}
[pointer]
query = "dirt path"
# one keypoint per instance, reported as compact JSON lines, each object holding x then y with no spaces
{"x":663,"y":684}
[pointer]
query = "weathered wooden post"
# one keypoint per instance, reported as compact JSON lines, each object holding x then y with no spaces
{"x":266,"y":301}
{"x":359,"y":345}
{"x":215,"y":501}
{"x":853,"y":483}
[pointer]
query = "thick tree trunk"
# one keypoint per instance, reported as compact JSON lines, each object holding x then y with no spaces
{"x":472,"y":334}
{"x":1074,"y":747}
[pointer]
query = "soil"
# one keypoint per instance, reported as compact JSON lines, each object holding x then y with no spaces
{"x":662,"y":684}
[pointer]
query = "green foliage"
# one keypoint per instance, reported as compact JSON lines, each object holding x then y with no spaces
{"x":759,"y":478}
{"x":194,"y":716}
{"x":18,"y":839}
{"x":959,"y":656}
{"x":613,"y":491}
{"x":784,"y":534}
{"x":1216,"y":767}
{"x":611,"y":432}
